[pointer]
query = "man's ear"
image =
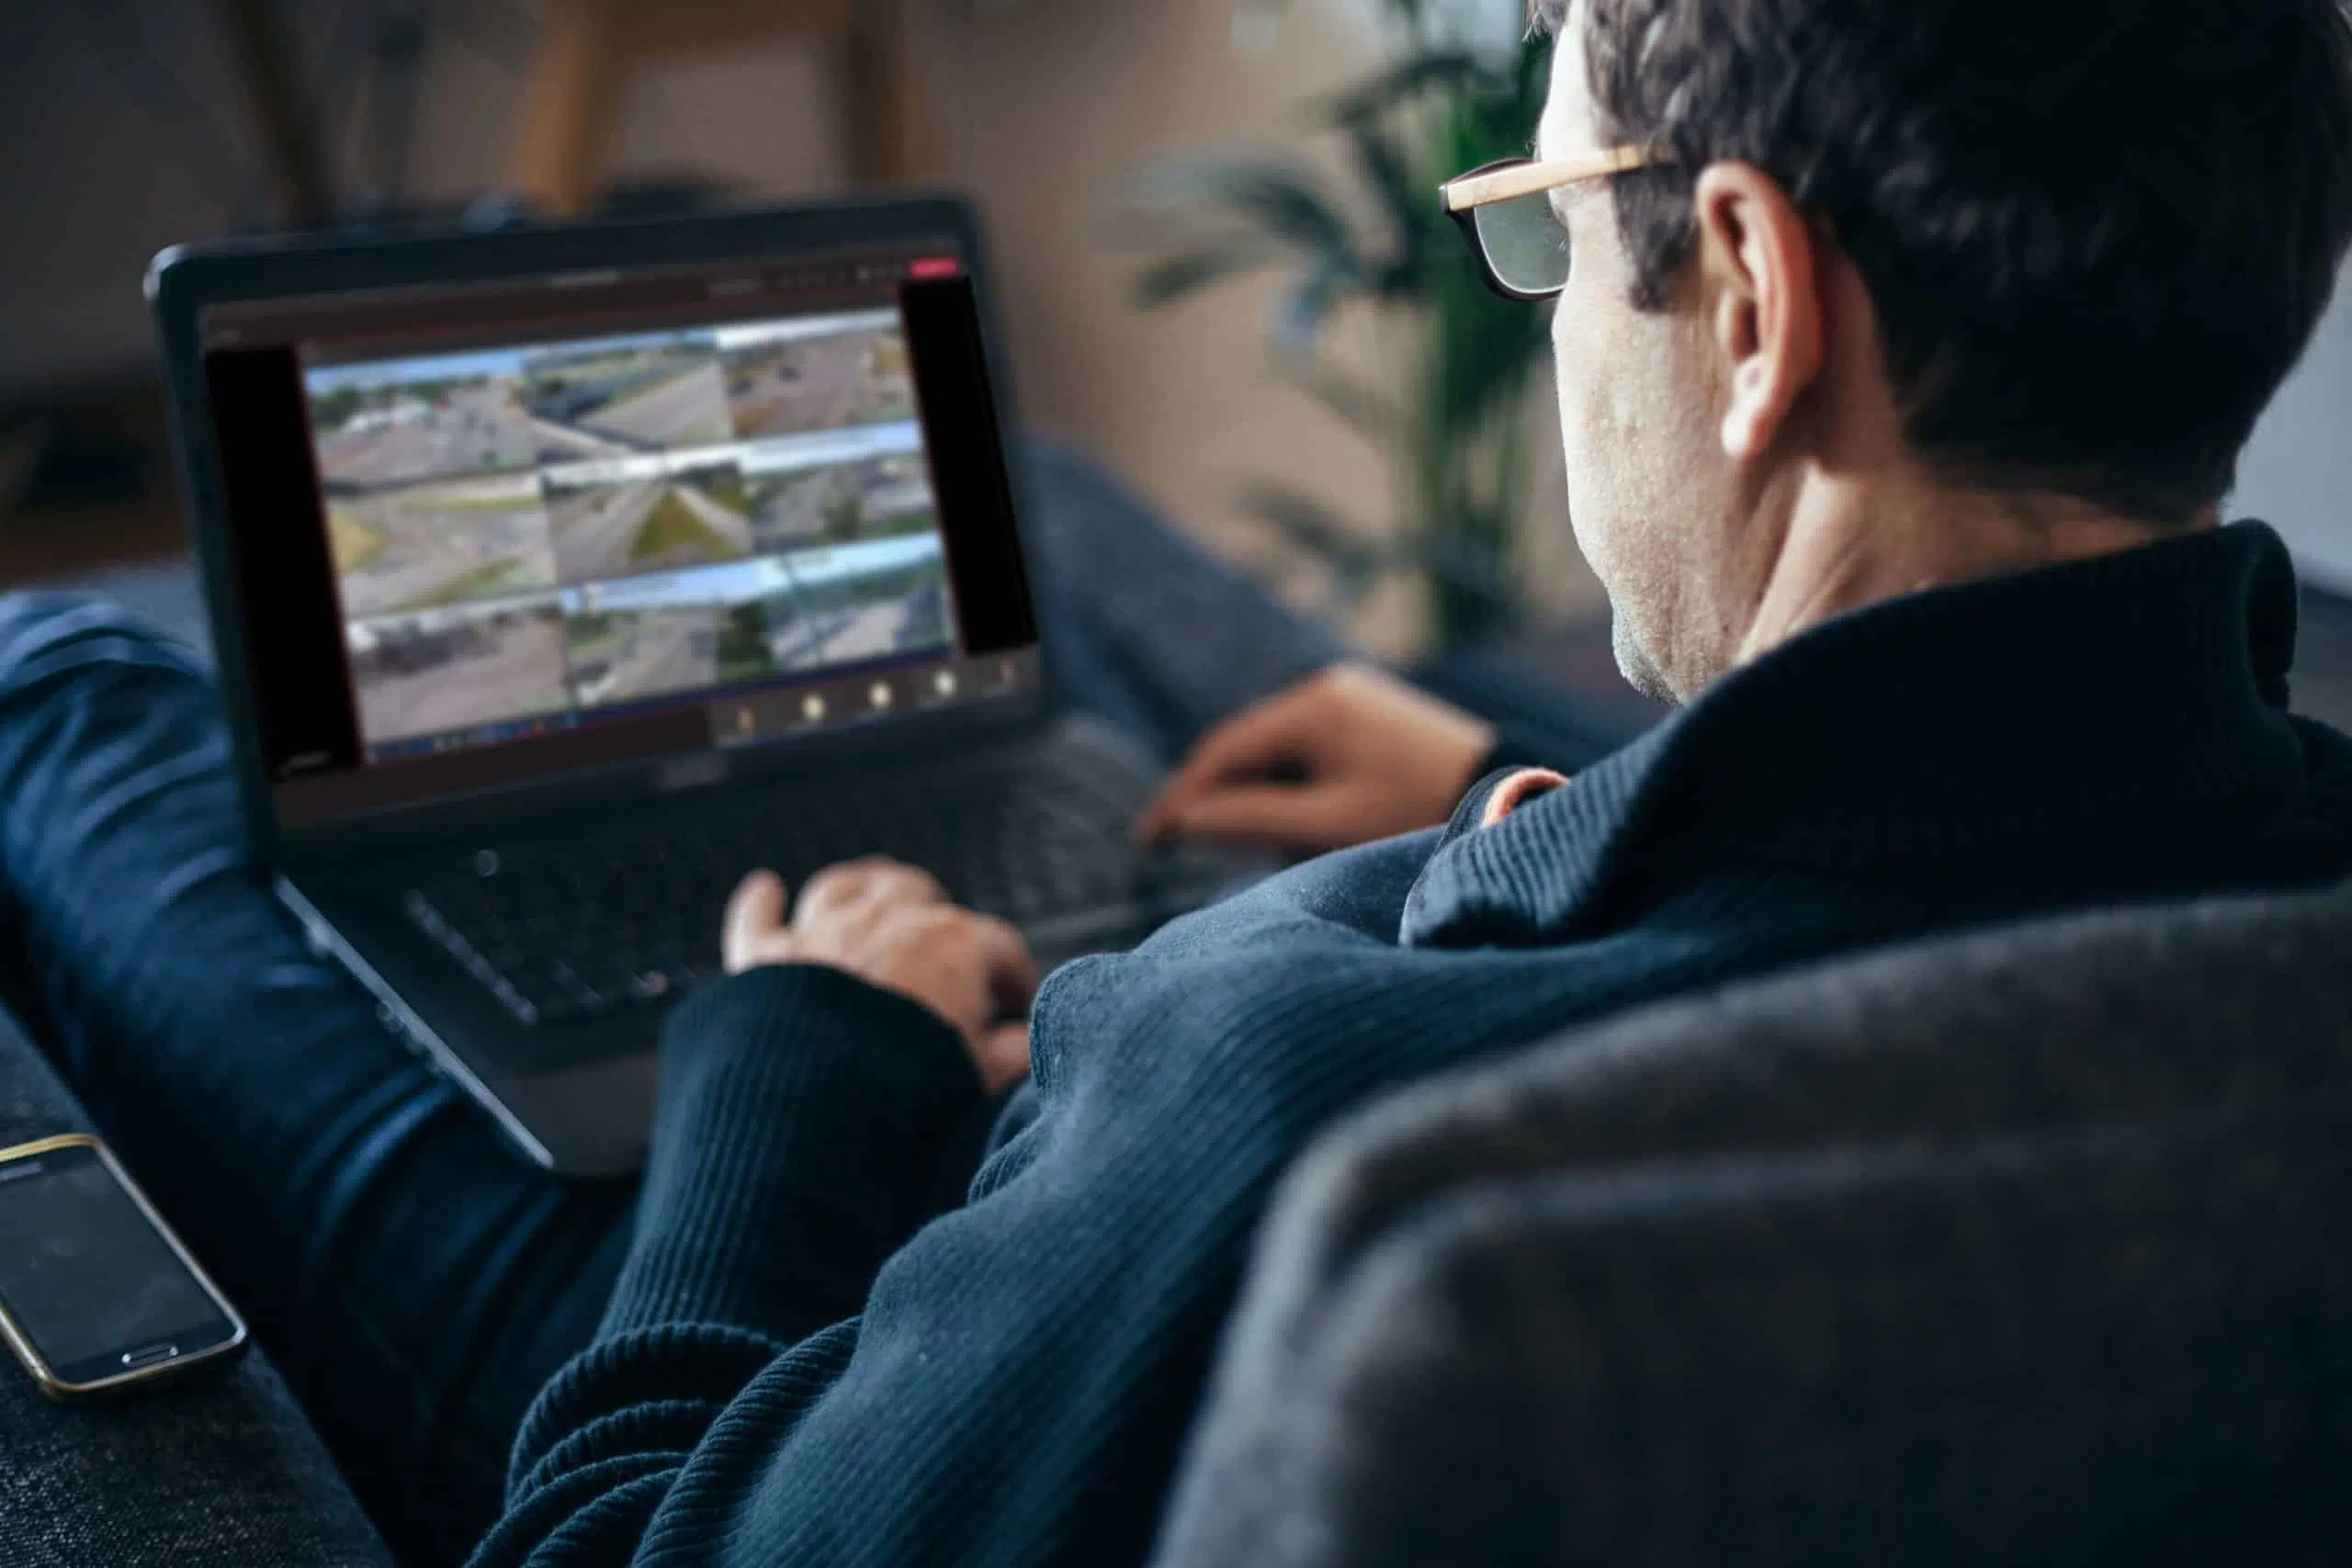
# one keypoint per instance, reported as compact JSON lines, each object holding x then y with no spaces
{"x":1761,"y":289}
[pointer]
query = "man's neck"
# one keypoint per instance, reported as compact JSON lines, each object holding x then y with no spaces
{"x":1847,"y":545}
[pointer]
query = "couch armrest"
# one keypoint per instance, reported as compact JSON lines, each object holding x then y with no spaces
{"x":220,"y":1471}
{"x":2020,"y":1247}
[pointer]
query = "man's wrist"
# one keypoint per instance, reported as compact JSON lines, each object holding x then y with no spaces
{"x":795,"y":1145}
{"x":803,"y":1008}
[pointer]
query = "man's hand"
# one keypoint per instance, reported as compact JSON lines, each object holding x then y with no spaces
{"x":1346,"y":756}
{"x":892,"y":926}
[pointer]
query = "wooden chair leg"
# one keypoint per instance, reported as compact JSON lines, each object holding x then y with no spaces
{"x":257,"y":29}
{"x":572,"y":106}
{"x":587,"y":49}
{"x":886,"y":130}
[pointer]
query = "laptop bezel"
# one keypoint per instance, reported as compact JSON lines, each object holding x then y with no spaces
{"x":186,"y":281}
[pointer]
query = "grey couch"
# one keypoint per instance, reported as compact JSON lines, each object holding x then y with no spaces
{"x":2024,"y":1248}
{"x":2033,"y":1248}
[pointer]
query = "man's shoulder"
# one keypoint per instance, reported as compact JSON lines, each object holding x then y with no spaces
{"x":1298,"y":995}
{"x":1355,"y":892}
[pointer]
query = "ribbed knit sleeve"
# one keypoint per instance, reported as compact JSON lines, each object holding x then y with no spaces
{"x":796,"y":1146}
{"x":792,"y":1151}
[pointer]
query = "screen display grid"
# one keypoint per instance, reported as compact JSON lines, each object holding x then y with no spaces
{"x":523,"y":534}
{"x":485,"y":535}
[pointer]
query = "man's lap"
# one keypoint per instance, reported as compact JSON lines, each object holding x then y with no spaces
{"x":417,"y":1280}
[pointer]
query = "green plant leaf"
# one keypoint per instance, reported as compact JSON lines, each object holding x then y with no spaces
{"x":1409,"y":207}
{"x":1296,"y":324}
{"x":1281,"y":199}
{"x":1405,"y":82}
{"x":1369,"y":411}
{"x":1311,"y":525}
{"x":1456,"y":425}
{"x":1177,"y":277}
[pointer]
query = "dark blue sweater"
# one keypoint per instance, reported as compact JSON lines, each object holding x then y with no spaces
{"x":803,"y":1364}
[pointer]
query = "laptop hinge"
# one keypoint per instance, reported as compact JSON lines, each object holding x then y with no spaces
{"x":653,"y":785}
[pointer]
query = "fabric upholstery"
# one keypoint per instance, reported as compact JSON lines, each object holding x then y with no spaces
{"x":219,"y":1473}
{"x":2021,"y":1249}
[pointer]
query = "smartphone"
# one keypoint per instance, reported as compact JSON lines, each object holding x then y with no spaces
{"x":96,"y":1294}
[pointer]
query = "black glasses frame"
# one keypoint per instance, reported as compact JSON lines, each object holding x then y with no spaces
{"x":1511,"y":179}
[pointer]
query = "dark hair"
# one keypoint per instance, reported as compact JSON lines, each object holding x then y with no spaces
{"x":2098,"y":233}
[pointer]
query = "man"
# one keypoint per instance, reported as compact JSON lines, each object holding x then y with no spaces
{"x":1905,"y":355}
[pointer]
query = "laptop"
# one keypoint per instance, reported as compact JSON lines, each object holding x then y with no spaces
{"x":561,"y":576}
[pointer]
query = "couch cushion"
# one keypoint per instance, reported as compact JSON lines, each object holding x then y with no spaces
{"x":2024,"y":1247}
{"x":221,"y":1470}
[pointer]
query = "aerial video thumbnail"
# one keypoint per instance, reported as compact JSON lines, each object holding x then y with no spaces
{"x":653,"y":392}
{"x":640,"y":514}
{"x":601,"y":644}
{"x":839,"y":488}
{"x":818,"y":373}
{"x":458,"y":666}
{"x":671,"y":632}
{"x":392,"y":422}
{"x":868,"y":600}
{"x":720,"y":625}
{"x":442,"y":541}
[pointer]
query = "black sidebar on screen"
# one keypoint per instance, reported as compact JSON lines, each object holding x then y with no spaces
{"x":297,"y":657}
{"x":967,"y":462}
{"x":294,"y":647}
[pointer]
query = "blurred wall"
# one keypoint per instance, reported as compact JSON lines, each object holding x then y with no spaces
{"x":122,"y":134}
{"x":2298,"y":473}
{"x":1043,"y":107}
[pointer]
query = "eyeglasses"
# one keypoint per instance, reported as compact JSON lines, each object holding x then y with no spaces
{"x":1506,"y":212}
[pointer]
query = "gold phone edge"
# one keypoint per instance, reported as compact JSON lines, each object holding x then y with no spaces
{"x":51,"y":1385}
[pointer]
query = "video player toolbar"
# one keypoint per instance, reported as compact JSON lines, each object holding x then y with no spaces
{"x":766,"y":715}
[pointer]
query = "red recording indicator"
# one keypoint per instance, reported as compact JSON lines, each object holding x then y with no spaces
{"x":935,"y":267}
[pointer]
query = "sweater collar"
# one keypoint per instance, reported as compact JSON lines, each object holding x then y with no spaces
{"x":2058,"y":713}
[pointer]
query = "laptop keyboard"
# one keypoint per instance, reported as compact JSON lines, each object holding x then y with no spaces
{"x":630,"y":919}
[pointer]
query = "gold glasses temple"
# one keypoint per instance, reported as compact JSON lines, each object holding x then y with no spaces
{"x":1472,"y":191}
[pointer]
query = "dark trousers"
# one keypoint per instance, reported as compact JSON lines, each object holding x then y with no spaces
{"x":416,"y":1280}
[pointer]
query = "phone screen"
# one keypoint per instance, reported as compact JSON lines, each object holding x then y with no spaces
{"x":87,"y":1276}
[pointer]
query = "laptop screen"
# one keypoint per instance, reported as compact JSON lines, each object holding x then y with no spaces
{"x":493,"y":534}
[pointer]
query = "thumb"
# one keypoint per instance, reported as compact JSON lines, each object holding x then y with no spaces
{"x":754,"y":912}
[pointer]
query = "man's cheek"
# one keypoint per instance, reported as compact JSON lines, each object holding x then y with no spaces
{"x":1576,"y":446}
{"x":1588,"y":481}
